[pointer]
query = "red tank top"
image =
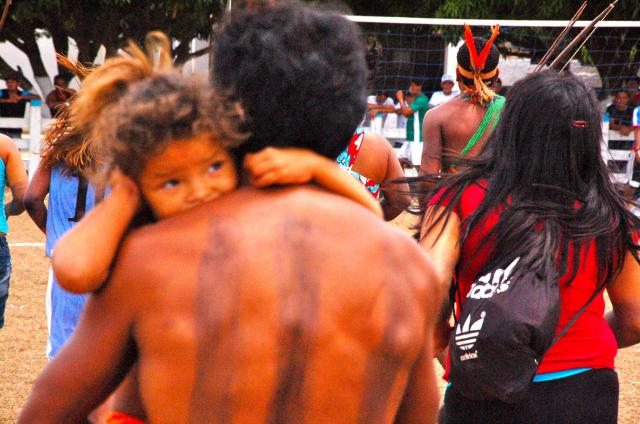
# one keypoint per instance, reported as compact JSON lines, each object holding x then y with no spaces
{"x":589,"y":342}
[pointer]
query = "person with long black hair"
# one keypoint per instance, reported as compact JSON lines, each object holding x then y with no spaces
{"x":540,"y":190}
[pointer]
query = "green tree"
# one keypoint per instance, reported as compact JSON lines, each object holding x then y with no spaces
{"x":108,"y":23}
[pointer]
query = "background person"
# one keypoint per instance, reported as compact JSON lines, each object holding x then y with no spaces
{"x":379,"y":105}
{"x":448,"y":92}
{"x":13,"y":103}
{"x":420,"y":104}
{"x":621,"y":113}
{"x":633,"y":88}
{"x":14,"y":176}
{"x":540,"y":190}
{"x":407,"y":98}
{"x":58,"y":99}
{"x":65,"y":157}
{"x":462,"y":125}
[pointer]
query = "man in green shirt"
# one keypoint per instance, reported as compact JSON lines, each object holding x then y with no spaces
{"x":419,"y":104}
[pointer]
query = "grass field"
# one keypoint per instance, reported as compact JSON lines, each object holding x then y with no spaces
{"x":23,"y":340}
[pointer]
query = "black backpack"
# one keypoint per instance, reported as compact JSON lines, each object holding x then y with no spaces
{"x":505,"y":327}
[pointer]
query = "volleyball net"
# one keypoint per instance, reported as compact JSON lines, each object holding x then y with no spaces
{"x":401,"y":50}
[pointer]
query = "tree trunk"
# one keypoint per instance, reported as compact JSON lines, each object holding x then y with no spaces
{"x":32,"y":51}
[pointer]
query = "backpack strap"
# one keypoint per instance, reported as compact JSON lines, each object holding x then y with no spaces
{"x":573,"y":320}
{"x":454,"y":290}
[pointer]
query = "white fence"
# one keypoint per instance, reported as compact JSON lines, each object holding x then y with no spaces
{"x":32,"y":125}
{"x":616,"y":150}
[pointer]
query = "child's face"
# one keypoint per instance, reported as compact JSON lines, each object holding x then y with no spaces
{"x":185,"y":174}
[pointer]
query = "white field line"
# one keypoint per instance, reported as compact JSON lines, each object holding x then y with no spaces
{"x":34,"y":244}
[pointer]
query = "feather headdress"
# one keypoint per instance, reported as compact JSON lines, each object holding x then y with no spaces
{"x":479,"y":92}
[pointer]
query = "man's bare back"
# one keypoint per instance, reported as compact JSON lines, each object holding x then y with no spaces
{"x":447,"y":129}
{"x":292,"y":305}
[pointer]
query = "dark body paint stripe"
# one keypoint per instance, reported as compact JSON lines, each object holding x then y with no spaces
{"x":217,"y":318}
{"x":299,"y":302}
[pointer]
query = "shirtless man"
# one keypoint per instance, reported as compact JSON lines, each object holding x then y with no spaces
{"x":450,"y":127}
{"x":254,"y":308}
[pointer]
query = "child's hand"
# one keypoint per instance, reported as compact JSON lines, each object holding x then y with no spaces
{"x":282,"y":166}
{"x":120,"y":183}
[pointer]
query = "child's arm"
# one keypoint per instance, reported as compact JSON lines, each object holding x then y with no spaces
{"x":298,"y":166}
{"x":83,"y":256}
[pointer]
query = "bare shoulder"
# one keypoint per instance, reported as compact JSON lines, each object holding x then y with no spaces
{"x":375,"y":139}
{"x":7,"y":147}
{"x":444,"y":111}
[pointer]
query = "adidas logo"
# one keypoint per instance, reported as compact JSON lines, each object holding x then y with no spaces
{"x":494,"y":282}
{"x":467,"y":335}
{"x":469,"y":355}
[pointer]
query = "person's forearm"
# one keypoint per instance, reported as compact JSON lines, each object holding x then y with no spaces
{"x":83,"y":256}
{"x":14,"y":207}
{"x":37,"y":210}
{"x":626,"y":335}
{"x":331,"y":176}
{"x":406,"y":111}
{"x":388,"y":109}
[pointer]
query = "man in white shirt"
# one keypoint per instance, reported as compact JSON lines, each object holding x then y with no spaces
{"x":380,"y":105}
{"x":448,"y":92}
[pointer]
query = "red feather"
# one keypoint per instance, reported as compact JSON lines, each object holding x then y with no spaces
{"x":471,"y":45}
{"x":482,"y":60}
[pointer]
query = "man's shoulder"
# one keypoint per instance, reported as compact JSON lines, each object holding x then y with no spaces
{"x":443,"y":111}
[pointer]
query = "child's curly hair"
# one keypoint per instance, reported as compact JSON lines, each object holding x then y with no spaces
{"x":133,"y":105}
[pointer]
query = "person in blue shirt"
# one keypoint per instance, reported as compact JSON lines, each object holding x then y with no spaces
{"x":14,"y":176}
{"x":59,"y":176}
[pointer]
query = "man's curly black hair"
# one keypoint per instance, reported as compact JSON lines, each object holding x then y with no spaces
{"x":299,"y":73}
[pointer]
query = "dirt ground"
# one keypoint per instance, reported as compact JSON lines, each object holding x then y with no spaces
{"x":23,"y":340}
